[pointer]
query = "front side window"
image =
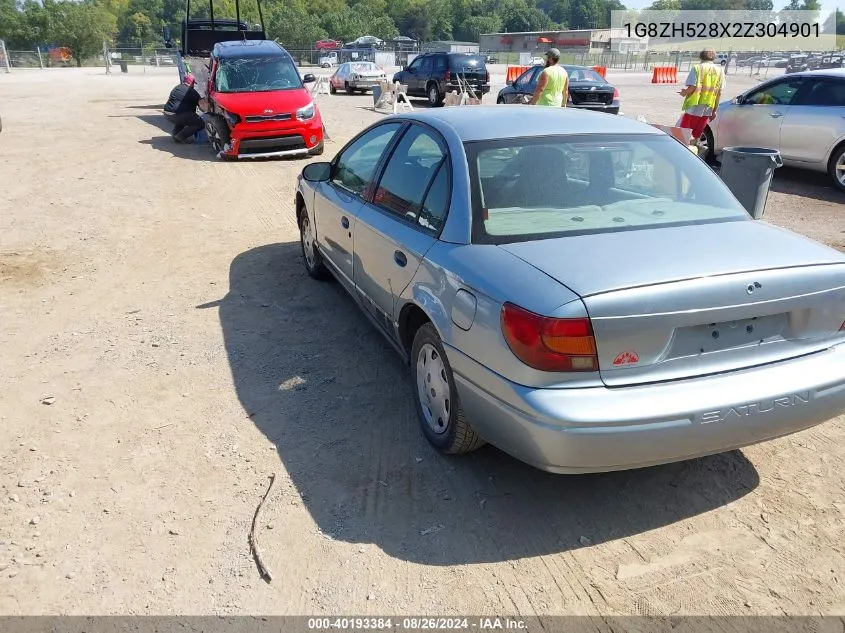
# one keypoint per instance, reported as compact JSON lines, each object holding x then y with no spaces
{"x":257,"y":75}
{"x":413,"y":182}
{"x":527,"y":189}
{"x":780,"y":93}
{"x":355,"y":167}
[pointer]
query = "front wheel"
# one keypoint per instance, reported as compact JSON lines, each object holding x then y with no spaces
{"x":706,"y":146}
{"x":836,"y":167}
{"x":434,"y":98}
{"x":348,"y":88}
{"x":438,"y":408}
{"x":314,"y":265}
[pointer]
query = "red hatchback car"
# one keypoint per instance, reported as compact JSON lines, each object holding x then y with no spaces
{"x":258,"y":105}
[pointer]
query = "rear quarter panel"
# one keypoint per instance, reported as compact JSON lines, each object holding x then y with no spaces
{"x":492,"y":276}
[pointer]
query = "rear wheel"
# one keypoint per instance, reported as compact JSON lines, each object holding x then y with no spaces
{"x":442,"y":421}
{"x":836,"y":167}
{"x":332,"y":89}
{"x":310,"y":255}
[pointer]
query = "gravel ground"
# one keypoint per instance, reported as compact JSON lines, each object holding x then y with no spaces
{"x":164,"y":354}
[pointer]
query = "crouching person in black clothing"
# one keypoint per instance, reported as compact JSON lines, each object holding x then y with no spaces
{"x":181,"y":111}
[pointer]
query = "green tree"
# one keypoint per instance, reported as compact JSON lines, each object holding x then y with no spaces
{"x":80,"y":26}
{"x":294,"y":28}
{"x":588,"y":14}
{"x":472,"y":28}
{"x":665,"y":5}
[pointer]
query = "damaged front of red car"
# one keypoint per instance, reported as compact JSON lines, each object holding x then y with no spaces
{"x":258,"y":105}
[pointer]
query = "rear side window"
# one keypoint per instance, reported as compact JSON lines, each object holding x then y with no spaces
{"x":824,"y":92}
{"x":441,"y":63}
{"x":537,"y":188}
{"x":467,"y":63}
{"x":414,"y":180}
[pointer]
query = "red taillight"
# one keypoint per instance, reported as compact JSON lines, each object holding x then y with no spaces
{"x":451,"y":77}
{"x":842,"y":327}
{"x":487,"y":76}
{"x":615,"y":93}
{"x":549,"y":344}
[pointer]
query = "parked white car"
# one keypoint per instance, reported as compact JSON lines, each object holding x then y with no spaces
{"x":802,"y":115}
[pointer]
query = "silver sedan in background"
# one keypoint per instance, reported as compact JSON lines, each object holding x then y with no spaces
{"x":356,"y":76}
{"x":579,"y":290}
{"x":801,"y":114}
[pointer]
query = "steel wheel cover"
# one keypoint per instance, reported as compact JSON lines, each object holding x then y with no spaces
{"x":433,"y":389}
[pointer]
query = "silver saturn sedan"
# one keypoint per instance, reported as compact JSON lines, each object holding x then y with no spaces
{"x":801,"y":114}
{"x":579,"y":290}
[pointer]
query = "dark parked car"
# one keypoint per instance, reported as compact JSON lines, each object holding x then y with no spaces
{"x":587,"y":89}
{"x":432,"y":75}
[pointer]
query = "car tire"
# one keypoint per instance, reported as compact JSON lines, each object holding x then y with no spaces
{"x":332,"y":89}
{"x":836,"y":167}
{"x":442,"y":420}
{"x":709,"y":156}
{"x":348,"y":89}
{"x":314,"y":265}
{"x":500,"y":101}
{"x":432,"y":92}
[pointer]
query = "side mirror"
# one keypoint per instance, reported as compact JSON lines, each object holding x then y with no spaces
{"x":309,"y":79}
{"x":509,"y":82}
{"x":317,"y":172}
{"x":739,"y":100}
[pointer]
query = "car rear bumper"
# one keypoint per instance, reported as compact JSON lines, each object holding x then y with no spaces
{"x":299,"y":139}
{"x":454,"y":87}
{"x":600,"y":429}
{"x":609,"y":108}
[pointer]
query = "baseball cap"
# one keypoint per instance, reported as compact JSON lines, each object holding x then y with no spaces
{"x":553,"y":52}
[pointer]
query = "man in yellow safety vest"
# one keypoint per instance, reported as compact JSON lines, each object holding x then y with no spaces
{"x":702,"y":93}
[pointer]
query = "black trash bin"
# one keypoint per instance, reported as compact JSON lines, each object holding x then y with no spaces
{"x":124,"y":68}
{"x":747,"y":171}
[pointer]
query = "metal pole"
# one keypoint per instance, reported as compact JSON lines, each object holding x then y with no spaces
{"x":106,"y":56}
{"x":5,"y":56}
{"x":40,"y":60}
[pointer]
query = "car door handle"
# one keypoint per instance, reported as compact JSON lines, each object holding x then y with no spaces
{"x":400,"y":258}
{"x":344,"y":222}
{"x":776,"y":115}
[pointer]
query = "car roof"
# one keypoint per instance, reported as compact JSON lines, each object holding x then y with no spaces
{"x":823,"y":72}
{"x":526,"y":121}
{"x":249,"y":48}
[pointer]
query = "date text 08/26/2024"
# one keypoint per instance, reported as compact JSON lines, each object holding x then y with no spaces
{"x":416,"y":624}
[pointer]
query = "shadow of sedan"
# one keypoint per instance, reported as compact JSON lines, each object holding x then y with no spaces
{"x":319,"y":382}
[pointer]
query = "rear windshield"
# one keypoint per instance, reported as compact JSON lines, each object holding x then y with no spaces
{"x":584,"y":74}
{"x":257,"y":74}
{"x":361,"y":67}
{"x":540,"y":188}
{"x":460,"y":62}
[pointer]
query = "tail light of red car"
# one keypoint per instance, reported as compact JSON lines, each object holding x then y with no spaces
{"x":549,"y":344}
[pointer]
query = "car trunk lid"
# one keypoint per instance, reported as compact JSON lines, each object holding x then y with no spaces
{"x":589,"y":94}
{"x":687,"y":301}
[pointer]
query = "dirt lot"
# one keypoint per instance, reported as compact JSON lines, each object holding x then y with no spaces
{"x":164,"y":353}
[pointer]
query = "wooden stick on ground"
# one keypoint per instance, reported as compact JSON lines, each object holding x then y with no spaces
{"x":253,"y":541}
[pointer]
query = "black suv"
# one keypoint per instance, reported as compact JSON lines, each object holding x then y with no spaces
{"x":432,"y":75}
